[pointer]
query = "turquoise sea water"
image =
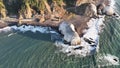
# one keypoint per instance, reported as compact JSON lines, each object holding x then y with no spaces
{"x":36,"y":50}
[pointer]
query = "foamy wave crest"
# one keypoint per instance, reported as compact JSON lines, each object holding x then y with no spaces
{"x":112,"y":3}
{"x":6,"y":29}
{"x":107,"y":60}
{"x":24,"y":28}
{"x":34,"y":29}
{"x":89,"y":42}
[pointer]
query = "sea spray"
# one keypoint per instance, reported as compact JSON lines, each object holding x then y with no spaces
{"x":112,"y":3}
{"x":107,"y":60}
{"x":24,"y":28}
{"x":33,"y":29}
{"x":85,"y":48}
{"x":5,"y":29}
{"x":82,"y":50}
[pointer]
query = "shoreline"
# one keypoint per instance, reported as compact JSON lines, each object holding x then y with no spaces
{"x":80,"y":36}
{"x":77,"y":20}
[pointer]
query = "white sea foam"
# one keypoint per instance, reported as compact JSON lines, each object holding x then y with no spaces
{"x":6,"y":29}
{"x":24,"y":28}
{"x":92,"y":34}
{"x":112,"y":3}
{"x":11,"y":34}
{"x":107,"y":60}
{"x":34,"y":29}
{"x":85,"y":48}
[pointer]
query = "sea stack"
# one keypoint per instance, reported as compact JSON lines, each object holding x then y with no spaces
{"x":108,"y":10}
{"x":105,"y":9}
{"x":70,"y":35}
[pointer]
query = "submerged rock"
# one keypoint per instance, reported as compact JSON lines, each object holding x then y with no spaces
{"x":70,"y":35}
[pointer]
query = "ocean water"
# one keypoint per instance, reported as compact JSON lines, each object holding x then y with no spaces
{"x":37,"y":50}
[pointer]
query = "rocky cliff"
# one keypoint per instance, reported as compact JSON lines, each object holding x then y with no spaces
{"x":52,"y":13}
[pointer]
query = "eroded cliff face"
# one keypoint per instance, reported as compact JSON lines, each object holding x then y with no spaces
{"x":2,"y":10}
{"x":80,"y":24}
{"x":88,"y":14}
{"x":77,"y":15}
{"x":70,"y":35}
{"x":57,"y":11}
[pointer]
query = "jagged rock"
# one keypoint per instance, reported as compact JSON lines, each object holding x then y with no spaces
{"x":91,"y":10}
{"x":100,"y":8}
{"x":86,"y":9}
{"x":42,"y":19}
{"x":104,"y":7}
{"x":79,"y":2}
{"x":57,"y":11}
{"x":80,"y":23}
{"x":70,"y":35}
{"x":20,"y":18}
{"x":2,"y":24}
{"x":2,"y":13}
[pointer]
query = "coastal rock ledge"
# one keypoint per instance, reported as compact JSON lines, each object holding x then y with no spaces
{"x":80,"y":25}
{"x":70,"y":35}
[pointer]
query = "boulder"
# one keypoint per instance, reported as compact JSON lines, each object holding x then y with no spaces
{"x":108,"y":10}
{"x":70,"y":35}
{"x":103,"y":9}
{"x":80,"y":23}
{"x":100,"y":8}
{"x":87,"y":9}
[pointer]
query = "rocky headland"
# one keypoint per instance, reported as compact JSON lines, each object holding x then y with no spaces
{"x":79,"y":24}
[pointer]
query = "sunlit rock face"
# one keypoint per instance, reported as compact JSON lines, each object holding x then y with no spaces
{"x":89,"y":41}
{"x":91,"y":10}
{"x":108,"y":10}
{"x":82,"y":50}
{"x":106,"y":7}
{"x":70,"y":35}
{"x":86,"y":9}
{"x":90,"y":29}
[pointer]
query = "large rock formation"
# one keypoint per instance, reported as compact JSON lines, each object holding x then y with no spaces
{"x":89,"y":41}
{"x":91,"y":10}
{"x":70,"y":35}
{"x":107,"y":10}
{"x":106,"y":7}
{"x":2,"y":10}
{"x":86,"y":9}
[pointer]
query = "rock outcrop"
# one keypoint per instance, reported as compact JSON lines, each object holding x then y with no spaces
{"x":85,"y":9}
{"x":106,"y":7}
{"x":107,"y":10}
{"x":2,"y":10}
{"x":80,"y":23}
{"x":70,"y":35}
{"x":91,"y":10}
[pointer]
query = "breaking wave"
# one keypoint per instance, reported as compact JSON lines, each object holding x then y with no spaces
{"x":107,"y":60}
{"x":25,"y":28}
{"x":82,"y":50}
{"x":85,"y":48}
